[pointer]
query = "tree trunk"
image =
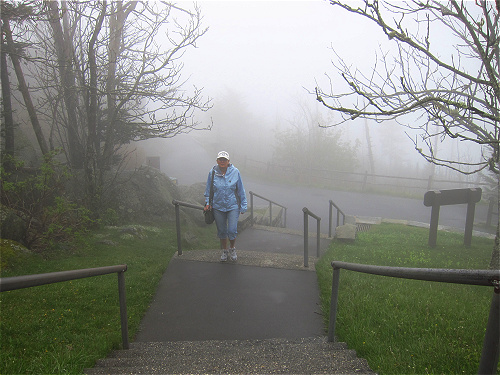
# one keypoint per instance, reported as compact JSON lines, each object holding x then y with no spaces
{"x":369,"y":145}
{"x":8,"y":123}
{"x":64,"y":47}
{"x":23,"y":87}
{"x":117,"y":23}
{"x":92,"y":186}
{"x":495,"y":255}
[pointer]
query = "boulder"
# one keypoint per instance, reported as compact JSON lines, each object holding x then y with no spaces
{"x":346,"y":232}
{"x":144,"y":196}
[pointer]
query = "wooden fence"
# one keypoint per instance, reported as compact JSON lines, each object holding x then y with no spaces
{"x":356,"y":181}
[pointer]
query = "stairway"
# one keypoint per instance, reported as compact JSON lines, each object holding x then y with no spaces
{"x":263,"y":292}
{"x":271,"y":356}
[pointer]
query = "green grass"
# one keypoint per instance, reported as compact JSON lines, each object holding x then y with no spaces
{"x":66,"y":327}
{"x":399,"y":326}
{"x":409,"y":326}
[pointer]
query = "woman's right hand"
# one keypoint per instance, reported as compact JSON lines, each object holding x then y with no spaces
{"x":207,"y":207}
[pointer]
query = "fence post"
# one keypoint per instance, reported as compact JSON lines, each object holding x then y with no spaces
{"x":123,"y":308}
{"x":364,"y":181}
{"x":333,"y":304}
{"x":490,"y":211}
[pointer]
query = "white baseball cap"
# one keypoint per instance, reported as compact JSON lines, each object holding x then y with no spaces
{"x":223,"y":154}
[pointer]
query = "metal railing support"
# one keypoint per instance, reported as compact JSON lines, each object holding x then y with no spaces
{"x":489,"y":355}
{"x":252,"y":194}
{"x":308,"y":213}
{"x":251,"y":209}
{"x":123,"y":308}
{"x":270,"y":214}
{"x":334,"y":304}
{"x":339,"y":212}
{"x":178,"y":228}
{"x":491,"y":345}
{"x":177,"y":203}
{"x":28,"y":281}
{"x":306,"y":240}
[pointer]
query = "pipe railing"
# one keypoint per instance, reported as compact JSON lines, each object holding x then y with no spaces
{"x":339,"y":212}
{"x":177,"y":203}
{"x":490,"y":352}
{"x":28,"y":281}
{"x":252,"y":194}
{"x":308,"y":213}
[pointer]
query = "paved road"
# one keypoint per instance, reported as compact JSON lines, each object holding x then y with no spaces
{"x":354,"y":203}
{"x":193,"y":167}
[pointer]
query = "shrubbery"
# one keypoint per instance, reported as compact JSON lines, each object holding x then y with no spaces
{"x":36,"y":201}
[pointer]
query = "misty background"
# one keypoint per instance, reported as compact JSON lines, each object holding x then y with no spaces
{"x":260,"y":62}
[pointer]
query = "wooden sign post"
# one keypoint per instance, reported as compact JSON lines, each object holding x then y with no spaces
{"x":438,"y":198}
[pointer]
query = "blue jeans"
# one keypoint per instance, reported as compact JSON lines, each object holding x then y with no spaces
{"x":227,"y":223}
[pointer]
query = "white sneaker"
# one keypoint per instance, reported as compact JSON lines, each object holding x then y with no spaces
{"x":223,"y":257}
{"x":232,"y":254}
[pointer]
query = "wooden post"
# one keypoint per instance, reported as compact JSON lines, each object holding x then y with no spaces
{"x":469,"y":219}
{"x":433,"y":229}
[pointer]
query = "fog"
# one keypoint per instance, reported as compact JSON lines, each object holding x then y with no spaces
{"x":259,"y":61}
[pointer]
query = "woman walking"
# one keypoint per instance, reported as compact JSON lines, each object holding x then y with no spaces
{"x":229,"y":201}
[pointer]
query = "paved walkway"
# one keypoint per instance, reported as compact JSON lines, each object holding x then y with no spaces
{"x":267,"y":293}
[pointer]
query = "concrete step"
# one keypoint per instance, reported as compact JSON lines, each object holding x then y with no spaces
{"x":276,"y":356}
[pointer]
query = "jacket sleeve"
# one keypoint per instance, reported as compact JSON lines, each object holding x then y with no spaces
{"x":207,"y":187}
{"x":242,"y":195}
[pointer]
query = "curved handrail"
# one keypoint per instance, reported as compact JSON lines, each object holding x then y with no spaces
{"x":444,"y":275}
{"x":307,"y":213}
{"x":28,"y":281}
{"x":252,"y":194}
{"x":490,"y":352}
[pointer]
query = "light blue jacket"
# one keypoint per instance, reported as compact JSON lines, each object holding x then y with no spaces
{"x":229,"y":193}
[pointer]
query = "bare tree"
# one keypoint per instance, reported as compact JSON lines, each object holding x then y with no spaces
{"x":19,"y":14}
{"x":8,"y":123}
{"x":111,"y":74}
{"x":424,"y":88}
{"x":63,"y":45}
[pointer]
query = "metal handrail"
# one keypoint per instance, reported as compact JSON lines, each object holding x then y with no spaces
{"x":270,"y":208}
{"x":490,"y":352}
{"x":28,"y":281}
{"x":177,"y":203}
{"x":339,"y":212}
{"x":306,"y":234}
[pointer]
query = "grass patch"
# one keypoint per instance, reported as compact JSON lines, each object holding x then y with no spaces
{"x":66,"y":327}
{"x":409,"y":326}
